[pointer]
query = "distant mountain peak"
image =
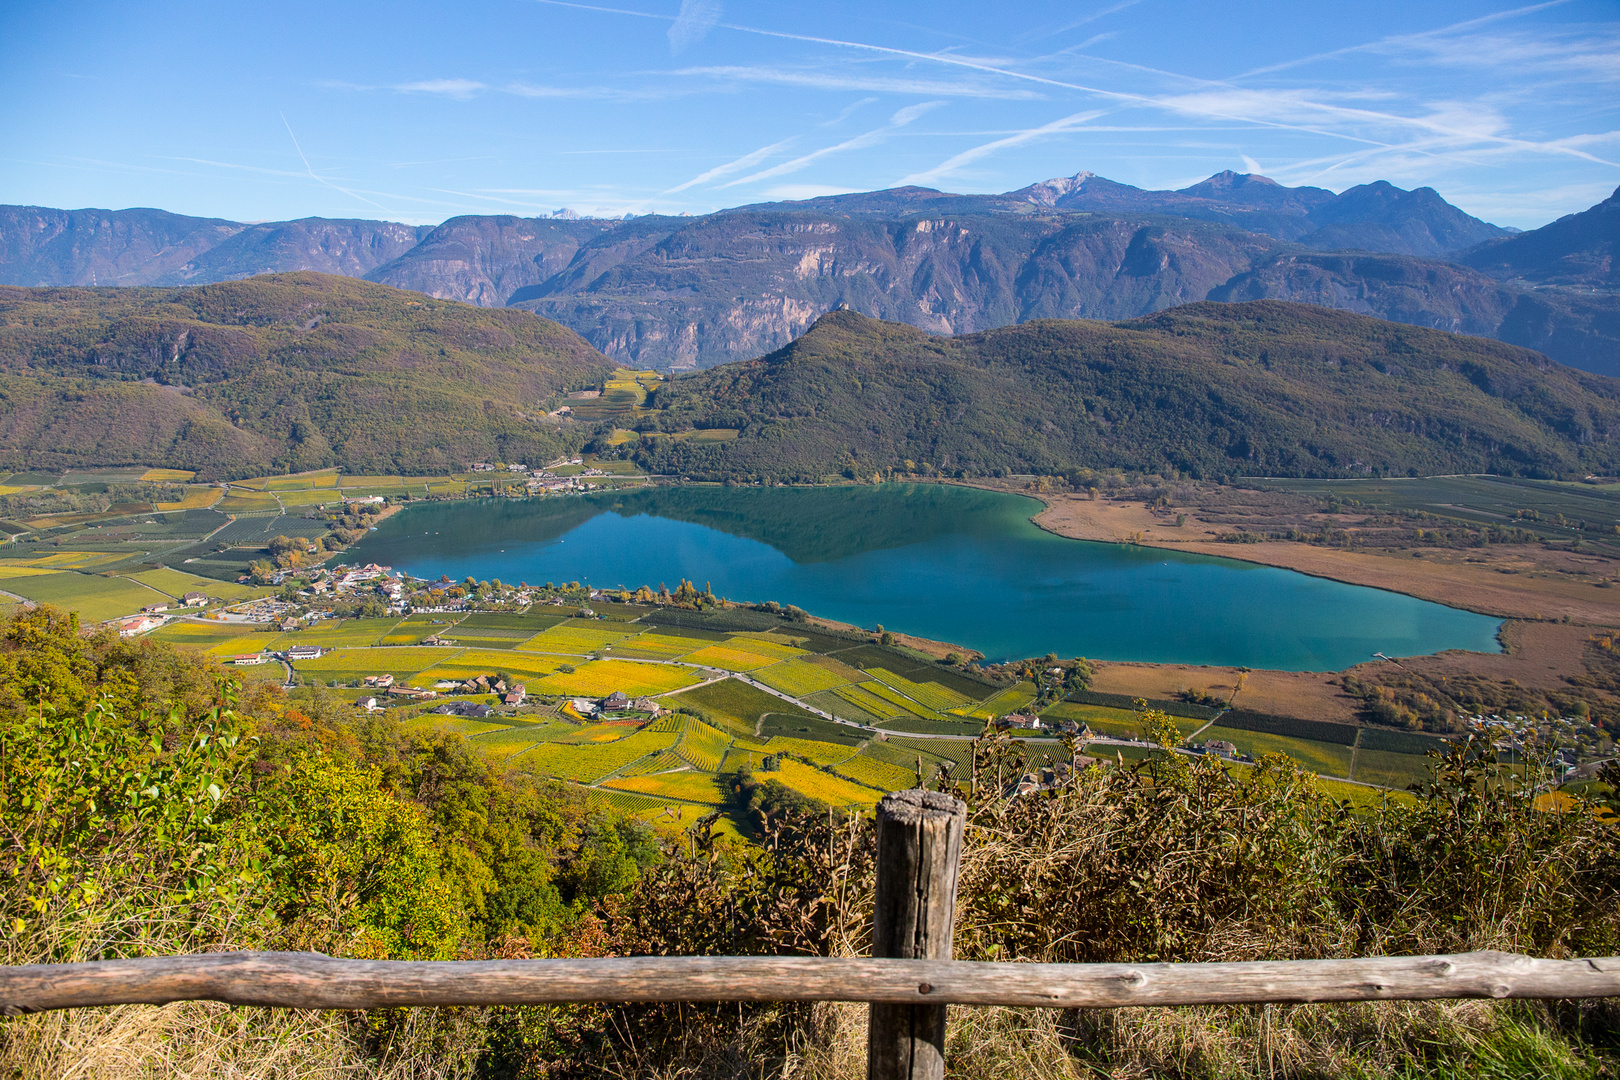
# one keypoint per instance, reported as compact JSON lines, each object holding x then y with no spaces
{"x":1227,"y":180}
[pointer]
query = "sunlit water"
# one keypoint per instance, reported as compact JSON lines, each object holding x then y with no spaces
{"x":949,"y":563}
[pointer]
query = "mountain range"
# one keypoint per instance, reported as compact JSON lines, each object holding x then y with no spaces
{"x":678,"y":293}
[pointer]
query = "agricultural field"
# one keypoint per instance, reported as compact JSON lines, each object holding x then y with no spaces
{"x":176,"y":583}
{"x":598,"y":678}
{"x":1011,"y":700}
{"x":572,"y":639}
{"x":884,"y":708}
{"x":665,"y":761}
{"x":238,"y":501}
{"x":339,"y":633}
{"x":688,"y":785}
{"x":726,"y":657}
{"x":801,"y":678}
{"x":702,"y":746}
{"x":883,"y":775}
{"x":95,"y":598}
{"x":240,"y":646}
{"x":830,"y":789}
{"x":591,"y":762}
{"x":735,"y":705}
{"x":466,"y":727}
{"x":401,"y":662}
{"x":814,"y":728}
{"x":653,"y":646}
{"x":67,"y":560}
{"x":821,"y":753}
{"x":205,"y":634}
{"x":659,"y":813}
{"x":930,"y":695}
{"x":413,"y":629}
{"x":1319,"y":757}
{"x":470,"y":663}
{"x":1390,"y":770}
{"x":828,"y":701}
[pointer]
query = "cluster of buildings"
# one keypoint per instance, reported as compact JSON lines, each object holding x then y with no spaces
{"x":616,"y":702}
{"x":1565,"y":741}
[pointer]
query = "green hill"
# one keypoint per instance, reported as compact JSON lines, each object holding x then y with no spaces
{"x":287,"y":371}
{"x":1207,"y":389}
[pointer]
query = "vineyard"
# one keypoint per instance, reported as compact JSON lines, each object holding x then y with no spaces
{"x":800,"y":678}
{"x":929,"y":694}
{"x":703,"y":746}
{"x":599,"y":678}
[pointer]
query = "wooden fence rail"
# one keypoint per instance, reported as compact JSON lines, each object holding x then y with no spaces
{"x":909,"y":982}
{"x":313,"y":981}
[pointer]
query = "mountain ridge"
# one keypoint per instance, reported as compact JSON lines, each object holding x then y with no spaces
{"x":683,"y":292}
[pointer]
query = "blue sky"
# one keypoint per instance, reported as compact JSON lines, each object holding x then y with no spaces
{"x":418,"y":112}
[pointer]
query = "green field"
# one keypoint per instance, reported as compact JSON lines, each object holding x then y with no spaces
{"x":653,"y":646}
{"x":1390,"y":770}
{"x":95,"y":598}
{"x":575,"y":638}
{"x":801,"y":678}
{"x":734,"y":705}
{"x":176,"y":583}
{"x":930,"y":695}
{"x":1319,"y":757}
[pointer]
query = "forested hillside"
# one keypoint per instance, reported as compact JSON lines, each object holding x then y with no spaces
{"x":1209,"y":390}
{"x":294,"y":371}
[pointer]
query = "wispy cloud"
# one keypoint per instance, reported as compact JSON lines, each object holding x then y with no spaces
{"x":870,"y":138}
{"x":747,"y":161}
{"x":461,"y":89}
{"x":848,"y":111}
{"x":821,"y":79}
{"x":693,"y":24}
{"x":955,"y":163}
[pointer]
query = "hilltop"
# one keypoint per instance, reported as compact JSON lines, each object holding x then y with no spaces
{"x":283,"y":372}
{"x":1208,"y":390}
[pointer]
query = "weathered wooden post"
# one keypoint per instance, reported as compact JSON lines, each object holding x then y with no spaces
{"x":919,"y":843}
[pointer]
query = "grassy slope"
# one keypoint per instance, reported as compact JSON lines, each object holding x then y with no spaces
{"x":1209,"y":389}
{"x":291,"y":371}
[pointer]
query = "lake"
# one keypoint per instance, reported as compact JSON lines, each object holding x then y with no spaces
{"x":950,"y":563}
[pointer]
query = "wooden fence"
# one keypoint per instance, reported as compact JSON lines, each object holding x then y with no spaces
{"x":909,"y":982}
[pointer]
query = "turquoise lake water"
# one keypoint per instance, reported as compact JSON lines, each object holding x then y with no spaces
{"x":949,"y":563}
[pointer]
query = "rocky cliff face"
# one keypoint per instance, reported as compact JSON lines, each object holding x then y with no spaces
{"x":349,"y":247}
{"x":742,"y":284}
{"x":42,"y":246}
